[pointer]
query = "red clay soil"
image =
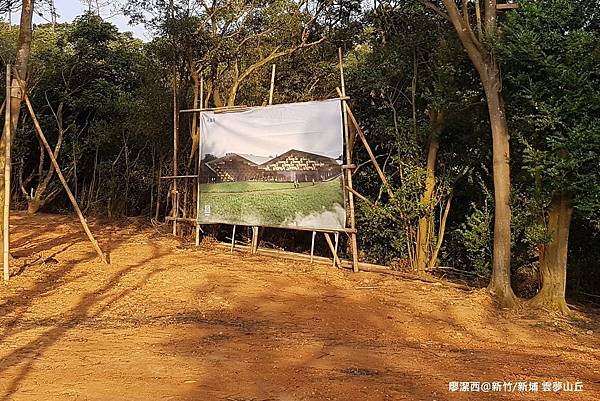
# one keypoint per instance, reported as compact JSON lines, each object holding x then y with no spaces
{"x":166,"y":321}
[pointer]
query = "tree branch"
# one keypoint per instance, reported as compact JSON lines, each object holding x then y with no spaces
{"x":435,"y":8}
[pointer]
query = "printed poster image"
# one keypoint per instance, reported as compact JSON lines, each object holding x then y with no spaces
{"x":277,"y":166}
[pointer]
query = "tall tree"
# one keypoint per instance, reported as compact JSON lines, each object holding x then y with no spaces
{"x":551,"y":62}
{"x":20,"y":66}
{"x":474,"y":37}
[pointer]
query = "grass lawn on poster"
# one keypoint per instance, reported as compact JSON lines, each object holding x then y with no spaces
{"x":270,"y":203}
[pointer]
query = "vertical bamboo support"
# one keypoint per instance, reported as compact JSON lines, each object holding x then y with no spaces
{"x":7,"y":161}
{"x":175,"y":142}
{"x":254,"y":239}
{"x":312,"y":246}
{"x":272,"y":85}
{"x":232,"y":239}
{"x":199,"y":128}
{"x":40,"y":133}
{"x":255,"y":229}
{"x":353,"y":241}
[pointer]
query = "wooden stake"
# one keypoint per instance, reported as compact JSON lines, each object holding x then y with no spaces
{"x":233,"y":239}
{"x":7,"y":162}
{"x":335,"y":248}
{"x":353,"y":241}
{"x":272,"y":85}
{"x":38,"y":130}
{"x":254,"y":239}
{"x":336,"y":260}
{"x":199,"y":162}
{"x":312,"y":246}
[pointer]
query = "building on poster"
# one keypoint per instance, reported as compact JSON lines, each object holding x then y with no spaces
{"x":274,"y":166}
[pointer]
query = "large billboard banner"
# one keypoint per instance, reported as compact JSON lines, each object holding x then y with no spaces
{"x":276,"y":166}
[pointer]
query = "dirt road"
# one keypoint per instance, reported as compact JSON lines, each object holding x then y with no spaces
{"x":168,"y":322}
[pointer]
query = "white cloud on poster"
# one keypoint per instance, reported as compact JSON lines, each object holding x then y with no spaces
{"x":314,"y":127}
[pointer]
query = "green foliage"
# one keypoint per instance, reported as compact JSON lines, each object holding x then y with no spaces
{"x":550,"y":55}
{"x":394,"y":55}
{"x":551,"y":62}
{"x":110,"y":92}
{"x":476,"y":235}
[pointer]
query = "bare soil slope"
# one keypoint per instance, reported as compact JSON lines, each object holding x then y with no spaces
{"x":169,"y":322}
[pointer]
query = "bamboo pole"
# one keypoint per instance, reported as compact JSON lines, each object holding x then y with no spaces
{"x":305,"y":258}
{"x":38,"y":130}
{"x":353,"y":241}
{"x":363,"y":139}
{"x":7,"y":162}
{"x":254,"y":239}
{"x":255,"y":229}
{"x":336,"y":260}
{"x":199,"y":128}
{"x":272,"y":89}
{"x":221,"y":109}
{"x":335,"y":248}
{"x":233,"y":239}
{"x":175,"y":142}
{"x":360,"y":196}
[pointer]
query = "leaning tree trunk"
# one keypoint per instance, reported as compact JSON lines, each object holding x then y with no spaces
{"x":553,"y":257}
{"x":195,"y":131}
{"x":425,"y":234}
{"x":21,"y":63}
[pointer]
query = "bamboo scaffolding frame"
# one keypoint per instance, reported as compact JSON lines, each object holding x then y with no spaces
{"x":349,"y":139}
{"x":215,"y":109}
{"x":225,"y":109}
{"x":353,"y":240}
{"x":174,"y":177}
{"x":199,"y":128}
{"x":181,"y":219}
{"x":507,"y":6}
{"x":317,"y":229}
{"x":346,"y":264}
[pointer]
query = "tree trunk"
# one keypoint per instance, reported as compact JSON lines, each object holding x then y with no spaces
{"x":21,"y":64}
{"x":195,"y":116}
{"x":553,"y":257}
{"x":500,"y":283}
{"x":485,"y":64}
{"x":424,"y":234}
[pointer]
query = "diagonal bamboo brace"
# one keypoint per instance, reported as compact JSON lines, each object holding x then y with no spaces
{"x":38,"y":130}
